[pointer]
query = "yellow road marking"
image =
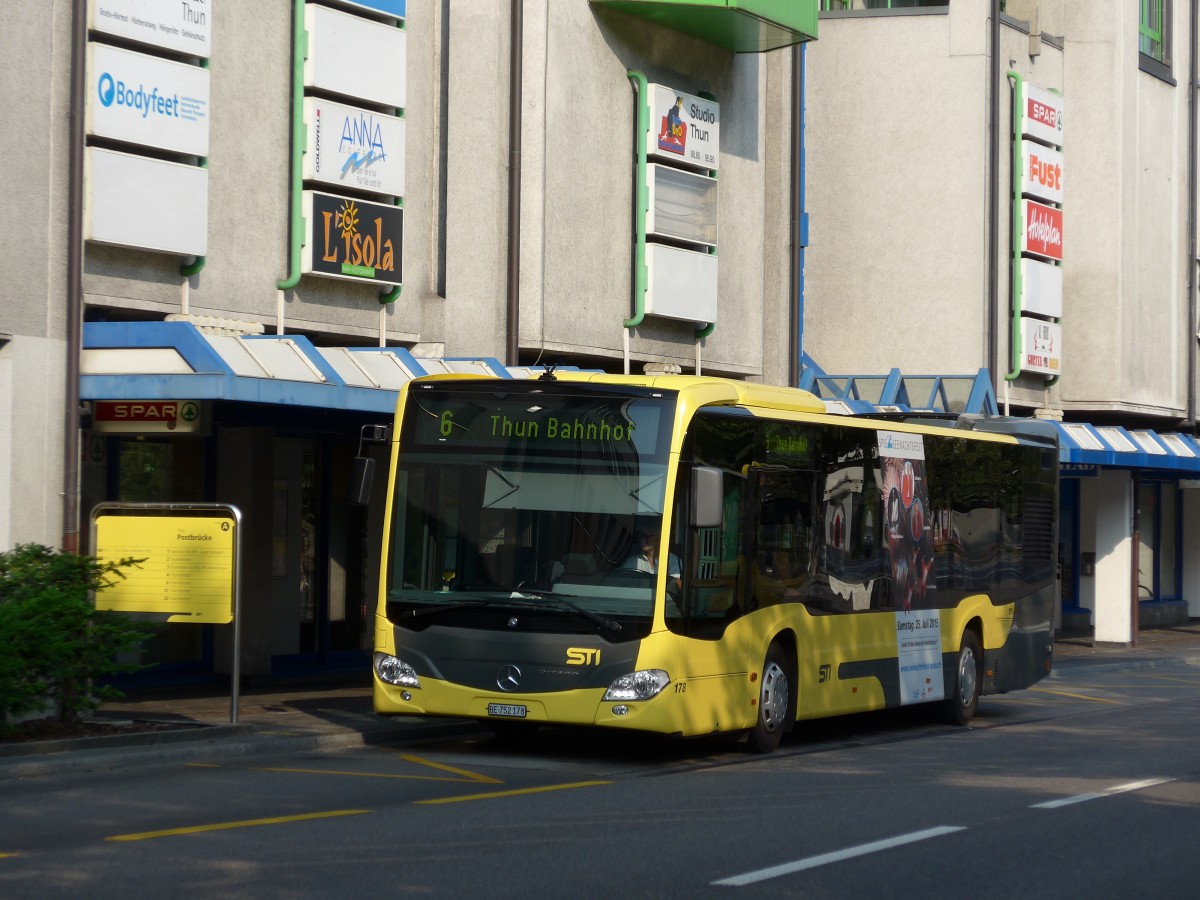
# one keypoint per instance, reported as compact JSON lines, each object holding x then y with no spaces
{"x":1074,"y":696}
{"x":355,"y":774}
{"x":8,"y":855}
{"x":513,"y":793}
{"x":248,"y":823}
{"x":1168,"y":678}
{"x":468,"y":776}
{"x":473,"y":776}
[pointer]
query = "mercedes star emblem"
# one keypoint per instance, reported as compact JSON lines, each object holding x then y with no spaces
{"x":508,"y":678}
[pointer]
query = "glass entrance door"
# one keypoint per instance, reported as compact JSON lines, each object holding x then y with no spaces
{"x":295,"y":535}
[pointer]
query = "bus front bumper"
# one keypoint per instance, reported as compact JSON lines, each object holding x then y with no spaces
{"x":662,"y":714}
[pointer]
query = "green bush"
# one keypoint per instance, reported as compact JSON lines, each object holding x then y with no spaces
{"x":55,"y":646}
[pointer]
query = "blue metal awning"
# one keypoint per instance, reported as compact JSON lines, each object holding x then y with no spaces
{"x":1111,"y":445}
{"x":177,"y":360}
{"x":896,"y":392}
{"x":1082,"y":446}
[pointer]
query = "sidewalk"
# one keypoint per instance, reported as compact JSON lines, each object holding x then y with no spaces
{"x":1154,"y":647}
{"x":332,"y":715}
{"x":291,"y":718}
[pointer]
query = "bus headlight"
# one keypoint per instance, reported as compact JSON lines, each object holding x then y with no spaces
{"x":640,"y":685}
{"x":396,"y":671}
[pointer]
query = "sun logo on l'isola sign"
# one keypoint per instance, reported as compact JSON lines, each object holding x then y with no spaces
{"x":347,"y":218}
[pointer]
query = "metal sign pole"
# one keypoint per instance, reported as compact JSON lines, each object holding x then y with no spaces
{"x":177,"y":596}
{"x":236,"y":673}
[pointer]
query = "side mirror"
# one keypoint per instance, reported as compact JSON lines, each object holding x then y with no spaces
{"x":361,"y":481}
{"x":708,"y":497}
{"x":363,"y":476}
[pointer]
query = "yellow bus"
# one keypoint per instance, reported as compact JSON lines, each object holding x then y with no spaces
{"x":691,"y":556}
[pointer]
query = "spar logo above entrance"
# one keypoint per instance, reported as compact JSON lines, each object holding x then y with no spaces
{"x":147,"y":416}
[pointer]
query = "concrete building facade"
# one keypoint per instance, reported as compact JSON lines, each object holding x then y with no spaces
{"x":519,"y":164}
{"x":911,"y":190}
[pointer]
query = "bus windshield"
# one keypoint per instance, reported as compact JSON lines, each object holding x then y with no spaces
{"x":528,"y":503}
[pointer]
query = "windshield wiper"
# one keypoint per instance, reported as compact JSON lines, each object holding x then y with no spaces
{"x":436,"y":608}
{"x":602,"y":621}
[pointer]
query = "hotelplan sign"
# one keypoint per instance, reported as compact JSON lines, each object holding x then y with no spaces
{"x":1043,"y":233}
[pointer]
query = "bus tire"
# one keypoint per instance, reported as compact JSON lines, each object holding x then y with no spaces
{"x":774,"y":701}
{"x":960,"y":706}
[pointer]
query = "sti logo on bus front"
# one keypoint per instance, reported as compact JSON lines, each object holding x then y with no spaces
{"x":583,"y":656}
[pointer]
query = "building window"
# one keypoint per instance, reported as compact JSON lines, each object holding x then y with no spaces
{"x":1153,"y":32}
{"x":841,"y":5}
{"x":902,"y":4}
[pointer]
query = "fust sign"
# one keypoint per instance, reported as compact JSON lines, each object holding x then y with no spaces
{"x":1041,"y":172}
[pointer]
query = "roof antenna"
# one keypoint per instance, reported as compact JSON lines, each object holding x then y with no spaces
{"x":548,"y":375}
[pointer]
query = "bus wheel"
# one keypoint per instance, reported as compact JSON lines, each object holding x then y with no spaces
{"x":774,"y":702}
{"x":960,"y":706}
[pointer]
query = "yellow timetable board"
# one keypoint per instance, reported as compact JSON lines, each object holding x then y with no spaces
{"x":188,"y":568}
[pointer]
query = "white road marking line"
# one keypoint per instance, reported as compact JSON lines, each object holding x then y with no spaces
{"x":1116,"y":789}
{"x":813,"y":862}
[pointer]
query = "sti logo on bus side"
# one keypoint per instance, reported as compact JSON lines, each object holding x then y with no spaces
{"x":583,"y":656}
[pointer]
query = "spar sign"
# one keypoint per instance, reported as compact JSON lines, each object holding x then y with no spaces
{"x":1041,"y":114}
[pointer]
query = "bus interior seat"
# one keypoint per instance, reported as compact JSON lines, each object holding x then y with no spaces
{"x":579,"y":565}
{"x":513,"y":565}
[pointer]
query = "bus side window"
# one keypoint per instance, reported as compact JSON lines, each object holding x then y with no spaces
{"x":782,"y":534}
{"x":716,"y":572}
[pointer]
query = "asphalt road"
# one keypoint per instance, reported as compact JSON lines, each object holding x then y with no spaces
{"x":1081,"y":787}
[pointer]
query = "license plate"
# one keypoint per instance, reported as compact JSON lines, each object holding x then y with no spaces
{"x":506,"y":710}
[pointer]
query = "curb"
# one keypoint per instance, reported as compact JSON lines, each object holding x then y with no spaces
{"x":1062,"y":666}
{"x":188,"y":745}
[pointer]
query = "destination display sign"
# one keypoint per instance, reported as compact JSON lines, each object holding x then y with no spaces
{"x":794,"y":443}
{"x":551,"y":423}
